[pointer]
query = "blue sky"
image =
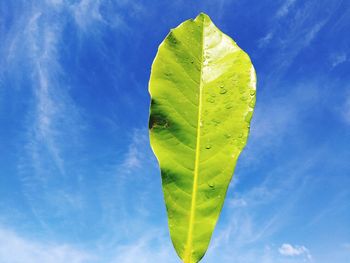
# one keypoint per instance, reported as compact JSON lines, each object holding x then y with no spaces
{"x":78,"y":181}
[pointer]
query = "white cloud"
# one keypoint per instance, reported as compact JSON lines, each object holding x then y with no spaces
{"x":53,"y":116}
{"x":85,"y":12}
{"x":312,"y":33}
{"x":282,"y":11}
{"x":337,"y":59}
{"x":128,"y":172}
{"x":32,"y":47}
{"x":152,"y":247}
{"x":291,"y":251}
{"x":88,"y":12}
{"x":265,"y":40}
{"x":238,"y":202}
{"x":285,"y":8}
{"x":137,"y":151}
{"x":301,"y":34}
{"x":290,"y":38}
{"x":17,"y":249}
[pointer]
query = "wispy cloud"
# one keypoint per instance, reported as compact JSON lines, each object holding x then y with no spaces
{"x":18,"y":249}
{"x":338,"y":58}
{"x":54,"y":116}
{"x":265,"y":40}
{"x":281,"y":12}
{"x":285,"y":8}
{"x":51,"y":118}
{"x":86,"y":12}
{"x":301,"y":34}
{"x":137,"y":152}
{"x":154,"y":246}
{"x":292,"y":32}
{"x":125,"y":175}
{"x":89,"y":14}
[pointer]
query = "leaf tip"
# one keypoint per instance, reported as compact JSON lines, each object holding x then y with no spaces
{"x":202,"y":16}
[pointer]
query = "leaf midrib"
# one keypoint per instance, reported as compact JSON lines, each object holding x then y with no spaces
{"x":188,"y":251}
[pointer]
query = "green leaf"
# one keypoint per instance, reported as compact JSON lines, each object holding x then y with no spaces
{"x":202,"y":88}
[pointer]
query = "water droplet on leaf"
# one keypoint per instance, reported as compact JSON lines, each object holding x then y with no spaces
{"x":211,"y":184}
{"x":216,"y":122}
